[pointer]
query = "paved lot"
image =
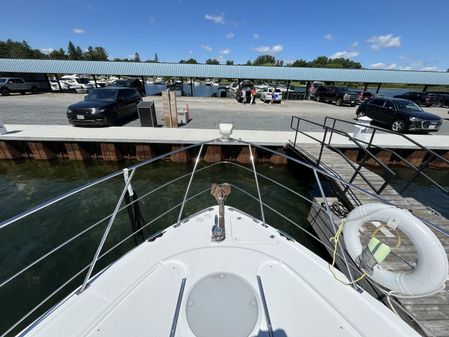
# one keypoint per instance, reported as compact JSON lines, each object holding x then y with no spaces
{"x":206,"y":112}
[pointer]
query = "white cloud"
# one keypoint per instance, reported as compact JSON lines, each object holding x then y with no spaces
{"x":345,"y":54}
{"x":432,"y":69}
{"x":229,"y":35}
{"x":46,"y":50}
{"x":406,"y":68}
{"x":256,"y":36}
{"x":269,"y":50}
{"x":78,"y":30}
{"x":225,"y":51}
{"x":328,"y":37}
{"x":277,"y":48}
{"x":381,"y":65}
{"x":152,"y":19}
{"x":384,"y":41}
{"x":219,"y":19}
{"x":190,"y":52}
{"x":206,"y":47}
{"x":355,"y":44}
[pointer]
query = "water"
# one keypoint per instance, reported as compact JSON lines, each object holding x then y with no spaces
{"x":26,"y":184}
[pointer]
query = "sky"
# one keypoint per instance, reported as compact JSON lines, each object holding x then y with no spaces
{"x":380,"y":34}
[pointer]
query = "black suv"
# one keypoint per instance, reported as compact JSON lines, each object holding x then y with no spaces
{"x":337,"y":95}
{"x":105,"y":106}
{"x":399,"y":115}
{"x":420,"y":98}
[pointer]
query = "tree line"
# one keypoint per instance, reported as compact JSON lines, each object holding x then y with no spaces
{"x":22,"y":50}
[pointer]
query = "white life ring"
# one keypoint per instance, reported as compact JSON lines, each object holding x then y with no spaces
{"x":431,"y":270}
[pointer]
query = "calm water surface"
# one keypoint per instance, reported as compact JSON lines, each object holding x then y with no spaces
{"x":26,"y":184}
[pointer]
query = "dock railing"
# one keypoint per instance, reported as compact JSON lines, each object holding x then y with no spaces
{"x":297,"y":122}
{"x":73,"y":282}
{"x":430,"y":156}
{"x":331,"y":127}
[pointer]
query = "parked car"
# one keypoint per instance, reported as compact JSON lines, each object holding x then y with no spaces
{"x":16,"y":84}
{"x":400,"y":115}
{"x":271,"y":95}
{"x":420,"y":98}
{"x":337,"y":95}
{"x":129,"y":83}
{"x":439,"y":99}
{"x":104,"y":106}
{"x":246,"y":87}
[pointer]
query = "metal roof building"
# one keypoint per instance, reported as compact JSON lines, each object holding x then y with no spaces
{"x":222,"y":71}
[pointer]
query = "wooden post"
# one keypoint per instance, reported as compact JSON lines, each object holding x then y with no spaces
{"x":7,"y":151}
{"x":191,"y":86}
{"x":110,"y":152}
{"x":180,"y":157}
{"x":277,"y":159}
{"x":39,"y":151}
{"x":425,"y":88}
{"x":288,"y":88}
{"x":417,"y":157}
{"x":244,"y":155}
{"x":75,"y":151}
{"x":213,"y":154}
{"x":383,"y":156}
{"x":144,"y":152}
{"x":365,"y":87}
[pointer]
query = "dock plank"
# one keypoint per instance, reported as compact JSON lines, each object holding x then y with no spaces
{"x":432,"y":312}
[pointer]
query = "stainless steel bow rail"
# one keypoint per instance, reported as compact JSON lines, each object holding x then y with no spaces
{"x":89,"y":277}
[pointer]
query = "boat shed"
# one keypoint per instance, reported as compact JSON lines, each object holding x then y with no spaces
{"x":223,"y":71}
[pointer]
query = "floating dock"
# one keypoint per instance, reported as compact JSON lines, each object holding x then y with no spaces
{"x":431,"y":313}
{"x":47,"y":142}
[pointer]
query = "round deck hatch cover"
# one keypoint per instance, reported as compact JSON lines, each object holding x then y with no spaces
{"x":222,"y":305}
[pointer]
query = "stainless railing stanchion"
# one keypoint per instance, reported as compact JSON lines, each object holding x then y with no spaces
{"x":197,"y":160}
{"x":106,"y":232}
{"x":257,"y":183}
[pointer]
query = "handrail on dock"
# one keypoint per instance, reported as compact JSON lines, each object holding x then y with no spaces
{"x":366,"y":147}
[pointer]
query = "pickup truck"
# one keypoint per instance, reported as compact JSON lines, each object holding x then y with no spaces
{"x":337,"y":95}
{"x":15,"y":84}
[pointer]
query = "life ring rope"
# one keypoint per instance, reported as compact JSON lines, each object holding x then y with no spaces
{"x":336,"y":239}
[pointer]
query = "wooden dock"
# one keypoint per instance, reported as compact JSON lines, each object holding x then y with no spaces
{"x":432,"y":312}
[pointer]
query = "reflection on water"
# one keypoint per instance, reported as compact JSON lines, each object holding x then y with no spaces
{"x":26,"y":184}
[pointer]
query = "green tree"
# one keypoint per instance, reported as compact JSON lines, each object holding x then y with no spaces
{"x":248,"y":63}
{"x":299,"y":63}
{"x":57,"y":54}
{"x":100,"y":54}
{"x":264,"y":60}
{"x":74,"y":53}
{"x":212,"y":61}
{"x":189,"y":61}
{"x":136,"y":57}
{"x":156,"y":59}
{"x":229,"y":62}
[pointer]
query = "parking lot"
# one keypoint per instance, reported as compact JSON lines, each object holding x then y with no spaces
{"x":207,"y":113}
